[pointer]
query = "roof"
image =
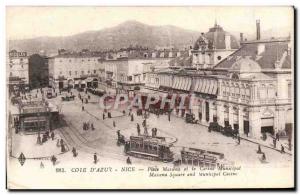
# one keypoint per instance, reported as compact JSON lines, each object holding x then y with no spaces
{"x":215,"y":38}
{"x":183,"y":60}
{"x":273,"y":51}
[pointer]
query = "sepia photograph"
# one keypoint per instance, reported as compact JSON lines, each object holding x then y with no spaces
{"x":150,"y":97}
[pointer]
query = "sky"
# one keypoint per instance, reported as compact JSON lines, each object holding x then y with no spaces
{"x":30,"y":22}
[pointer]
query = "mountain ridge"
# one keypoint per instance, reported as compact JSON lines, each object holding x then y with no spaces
{"x":128,"y":33}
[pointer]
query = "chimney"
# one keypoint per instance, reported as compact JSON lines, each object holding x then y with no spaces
{"x":257,"y":30}
{"x":227,"y":41}
{"x":241,"y":37}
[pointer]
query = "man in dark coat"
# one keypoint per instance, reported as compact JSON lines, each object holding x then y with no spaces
{"x":52,"y":135}
{"x":95,"y":158}
{"x":277,"y":136}
{"x":259,"y":150}
{"x":274,"y":143}
{"x":138,"y":129}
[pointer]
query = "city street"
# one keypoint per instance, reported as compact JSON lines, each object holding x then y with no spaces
{"x":103,"y":139}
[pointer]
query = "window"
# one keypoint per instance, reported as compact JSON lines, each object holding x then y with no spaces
{"x":89,"y":71}
{"x":237,"y":92}
{"x":271,"y":92}
{"x":75,"y":72}
{"x":10,"y":74}
{"x":60,"y":72}
{"x":10,"y":66}
{"x":262,"y":92}
{"x":94,"y":71}
{"x":129,"y":78}
{"x":82,"y":72}
{"x":22,"y":66}
{"x":70,"y":73}
{"x":219,"y":57}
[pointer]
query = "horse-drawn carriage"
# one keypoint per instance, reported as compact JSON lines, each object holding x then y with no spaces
{"x":190,"y":118}
{"x":68,"y":98}
{"x":229,"y":131}
{"x":214,"y":126}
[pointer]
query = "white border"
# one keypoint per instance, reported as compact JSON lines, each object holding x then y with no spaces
{"x":108,"y":3}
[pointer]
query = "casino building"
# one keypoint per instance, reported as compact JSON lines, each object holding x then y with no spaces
{"x":248,"y":85}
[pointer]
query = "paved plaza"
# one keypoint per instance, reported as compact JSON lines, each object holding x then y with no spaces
{"x":103,"y":139}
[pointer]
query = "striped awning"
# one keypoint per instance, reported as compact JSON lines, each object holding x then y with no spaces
{"x":207,"y":86}
{"x":165,"y":80}
{"x":182,"y":83}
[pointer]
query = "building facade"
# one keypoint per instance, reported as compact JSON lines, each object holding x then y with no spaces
{"x":17,"y":71}
{"x":250,"y":88}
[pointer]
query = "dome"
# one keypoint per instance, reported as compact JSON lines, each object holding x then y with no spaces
{"x":215,"y":39}
{"x":246,"y":65}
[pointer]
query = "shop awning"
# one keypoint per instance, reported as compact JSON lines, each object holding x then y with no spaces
{"x":182,"y":83}
{"x":207,"y":86}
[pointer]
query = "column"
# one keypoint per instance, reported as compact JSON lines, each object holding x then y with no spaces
{"x":254,"y":122}
{"x":279,"y":119}
{"x":241,"y":120}
{"x":211,"y":111}
{"x":203,"y":120}
{"x":231,"y":115}
{"x":220,"y":113}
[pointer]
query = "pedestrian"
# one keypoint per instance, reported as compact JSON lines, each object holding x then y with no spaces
{"x":86,"y":101}
{"x":277,"y":136}
{"x":259,"y":150}
{"x":153,"y":132}
{"x":52,"y":135}
{"x":169,"y":116}
{"x":114,"y":124}
{"x":109,"y":115}
{"x":290,"y":144}
{"x":44,"y":139}
{"x":82,"y":108}
{"x":95,"y":158}
{"x":128,"y":161}
{"x":282,"y":149}
{"x":58,"y":143}
{"x":145,"y":130}
{"x":82,"y":100}
{"x":63,"y":148}
{"x":138,"y":129}
{"x":39,"y":141}
{"x":132,"y":119}
{"x":274,"y":143}
{"x":238,"y":139}
{"x":74,"y":152}
{"x":92,"y":127}
{"x":53,"y":160}
{"x":61,"y":141}
{"x":42,"y":165}
{"x":83,"y":126}
{"x":103,"y":116}
{"x":89,"y":97}
{"x":263,"y":157}
{"x":124,"y":112}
